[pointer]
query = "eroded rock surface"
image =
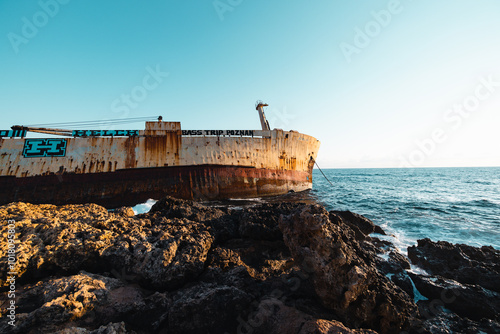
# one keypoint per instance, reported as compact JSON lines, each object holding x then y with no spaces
{"x":344,"y":278}
{"x":462,"y":263}
{"x":189,"y":268}
{"x":158,"y":253}
{"x":461,"y":278}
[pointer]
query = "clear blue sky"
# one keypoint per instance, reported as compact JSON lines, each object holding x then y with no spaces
{"x":380,"y":83}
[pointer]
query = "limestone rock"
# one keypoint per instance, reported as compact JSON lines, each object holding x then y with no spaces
{"x":462,"y":263}
{"x":191,"y":268}
{"x":471,"y":301}
{"x":359,"y":223}
{"x":273,"y":317}
{"x":344,"y":281}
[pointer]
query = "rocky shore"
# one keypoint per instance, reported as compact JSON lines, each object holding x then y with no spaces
{"x":273,"y":268}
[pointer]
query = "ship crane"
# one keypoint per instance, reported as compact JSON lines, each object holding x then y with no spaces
{"x":259,"y":106}
{"x":69,"y":133}
{"x":50,"y":131}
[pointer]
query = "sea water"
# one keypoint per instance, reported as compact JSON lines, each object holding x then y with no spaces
{"x":459,"y":205}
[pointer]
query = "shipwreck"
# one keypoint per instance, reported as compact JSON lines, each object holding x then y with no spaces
{"x":125,"y":167}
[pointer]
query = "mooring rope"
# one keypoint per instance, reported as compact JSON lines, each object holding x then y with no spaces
{"x":323,"y":173}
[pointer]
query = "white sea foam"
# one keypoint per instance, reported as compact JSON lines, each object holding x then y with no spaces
{"x":417,"y":270}
{"x":256,"y":199}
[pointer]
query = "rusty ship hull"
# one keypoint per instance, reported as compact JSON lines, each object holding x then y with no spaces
{"x":125,"y":168}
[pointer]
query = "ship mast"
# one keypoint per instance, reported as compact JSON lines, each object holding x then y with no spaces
{"x":259,"y":106}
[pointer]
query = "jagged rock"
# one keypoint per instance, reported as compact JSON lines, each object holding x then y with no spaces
{"x":273,"y":317}
{"x":124,"y":211}
{"x":83,"y":299}
{"x":321,"y":326}
{"x":398,"y":259}
{"x":394,"y":263}
{"x":472,"y":301}
{"x":462,"y":263}
{"x":402,"y":280}
{"x":111,"y":328}
{"x":225,"y":227}
{"x":439,"y":322}
{"x":160,"y":255}
{"x":225,"y":258}
{"x":464,"y":279}
{"x":39,"y":230}
{"x":186,"y":267}
{"x":170,"y":207}
{"x":260,"y":225}
{"x":359,"y":223}
{"x":206,"y":308}
{"x":353,"y":288}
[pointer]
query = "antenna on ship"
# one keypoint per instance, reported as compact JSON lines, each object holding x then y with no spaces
{"x":259,"y":105}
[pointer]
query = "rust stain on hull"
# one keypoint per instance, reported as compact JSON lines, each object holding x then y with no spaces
{"x":130,"y":159}
{"x":132,"y":186}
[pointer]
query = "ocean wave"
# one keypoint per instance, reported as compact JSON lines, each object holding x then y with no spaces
{"x":485,"y":203}
{"x":439,"y":203}
{"x":484,"y":183}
